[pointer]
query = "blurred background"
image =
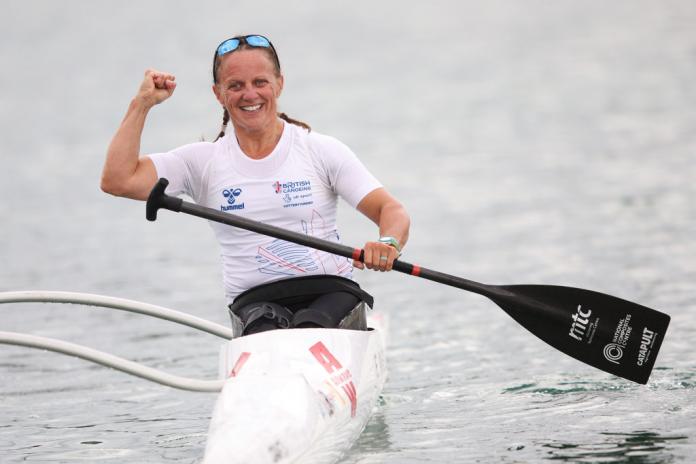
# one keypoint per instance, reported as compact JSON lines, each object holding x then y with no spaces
{"x":532,"y":142}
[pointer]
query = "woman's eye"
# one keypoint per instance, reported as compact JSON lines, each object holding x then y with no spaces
{"x":260,"y":82}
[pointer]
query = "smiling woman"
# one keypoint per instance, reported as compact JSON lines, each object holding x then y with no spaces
{"x":262,"y":80}
{"x":273,"y":170}
{"x":248,"y":89}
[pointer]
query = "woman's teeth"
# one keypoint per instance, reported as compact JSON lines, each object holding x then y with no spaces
{"x":251,"y":108}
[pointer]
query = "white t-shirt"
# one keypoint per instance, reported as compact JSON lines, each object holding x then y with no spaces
{"x":296,"y":187}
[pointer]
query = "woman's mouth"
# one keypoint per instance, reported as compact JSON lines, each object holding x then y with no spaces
{"x":250,"y":108}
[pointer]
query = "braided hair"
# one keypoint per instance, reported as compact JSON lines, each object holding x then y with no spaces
{"x":225,"y":120}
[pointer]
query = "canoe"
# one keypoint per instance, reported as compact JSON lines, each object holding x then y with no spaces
{"x":296,"y":395}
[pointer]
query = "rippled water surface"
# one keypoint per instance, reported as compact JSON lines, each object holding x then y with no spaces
{"x":532,"y":142}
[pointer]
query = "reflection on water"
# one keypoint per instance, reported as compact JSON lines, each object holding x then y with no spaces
{"x":533,"y":142}
{"x":375,"y":438}
{"x":620,"y":448}
{"x":567,"y":387}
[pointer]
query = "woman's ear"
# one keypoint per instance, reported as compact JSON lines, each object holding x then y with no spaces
{"x":281,"y":81}
{"x":218,"y":94}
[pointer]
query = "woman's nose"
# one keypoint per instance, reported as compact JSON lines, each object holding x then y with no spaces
{"x":249,"y":93}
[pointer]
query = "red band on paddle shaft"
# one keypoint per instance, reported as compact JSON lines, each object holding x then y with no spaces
{"x":416,"y":270}
{"x":356,"y":254}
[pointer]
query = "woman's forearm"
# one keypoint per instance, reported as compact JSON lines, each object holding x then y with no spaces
{"x":394,"y":222}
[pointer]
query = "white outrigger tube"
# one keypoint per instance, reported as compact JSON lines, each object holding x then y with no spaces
{"x":287,"y":396}
{"x":106,"y":359}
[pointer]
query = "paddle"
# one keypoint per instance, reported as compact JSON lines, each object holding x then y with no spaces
{"x":604,"y":331}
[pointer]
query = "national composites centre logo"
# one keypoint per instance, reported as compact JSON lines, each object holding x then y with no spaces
{"x":232,"y":196}
{"x":294,"y":193}
{"x":614,"y":351}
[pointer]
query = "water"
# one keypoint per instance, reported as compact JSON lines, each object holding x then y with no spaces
{"x":532,"y":142}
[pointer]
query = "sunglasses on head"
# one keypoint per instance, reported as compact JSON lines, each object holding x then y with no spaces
{"x":232,"y":44}
{"x":254,"y":40}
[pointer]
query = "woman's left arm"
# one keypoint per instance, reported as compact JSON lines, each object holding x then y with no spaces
{"x":393,"y":221}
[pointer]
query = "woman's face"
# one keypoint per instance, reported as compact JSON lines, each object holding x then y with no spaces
{"x":248,"y":88}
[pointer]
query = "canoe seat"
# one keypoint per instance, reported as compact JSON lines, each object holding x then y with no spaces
{"x":312,"y":301}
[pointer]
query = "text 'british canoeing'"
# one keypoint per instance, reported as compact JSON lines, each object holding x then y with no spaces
{"x":294,"y":193}
{"x":292,"y":186}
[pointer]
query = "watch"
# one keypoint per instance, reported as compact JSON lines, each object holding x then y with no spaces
{"x":391,"y":241}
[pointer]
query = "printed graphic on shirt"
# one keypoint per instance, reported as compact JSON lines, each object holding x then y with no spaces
{"x":285,"y":258}
{"x":231,"y":195}
{"x":289,"y":259}
{"x":341,"y":265}
{"x":294,"y":193}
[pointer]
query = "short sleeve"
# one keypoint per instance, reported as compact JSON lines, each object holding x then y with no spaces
{"x":346,"y":174}
{"x":183,"y":167}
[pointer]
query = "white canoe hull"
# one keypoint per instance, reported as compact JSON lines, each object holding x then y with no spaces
{"x":295,"y":396}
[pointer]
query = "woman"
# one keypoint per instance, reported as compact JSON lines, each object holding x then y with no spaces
{"x":272,"y":169}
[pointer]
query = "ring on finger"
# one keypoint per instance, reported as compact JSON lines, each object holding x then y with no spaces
{"x":383,"y":258}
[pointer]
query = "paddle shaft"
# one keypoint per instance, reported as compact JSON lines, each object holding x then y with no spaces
{"x":158,"y":199}
{"x":324,"y":245}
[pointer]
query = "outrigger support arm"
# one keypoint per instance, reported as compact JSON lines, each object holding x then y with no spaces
{"x":88,"y":299}
{"x":106,"y":359}
{"x":109,"y":360}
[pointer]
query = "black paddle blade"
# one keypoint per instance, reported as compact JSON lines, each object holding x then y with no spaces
{"x":611,"y":334}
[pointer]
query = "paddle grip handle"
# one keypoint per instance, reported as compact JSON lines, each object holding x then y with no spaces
{"x":158,"y":199}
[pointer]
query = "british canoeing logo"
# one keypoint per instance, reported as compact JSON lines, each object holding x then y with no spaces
{"x":292,"y":186}
{"x":231,"y":195}
{"x":294,"y":193}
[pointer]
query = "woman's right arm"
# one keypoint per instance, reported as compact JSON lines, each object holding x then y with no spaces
{"x":126,"y":173}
